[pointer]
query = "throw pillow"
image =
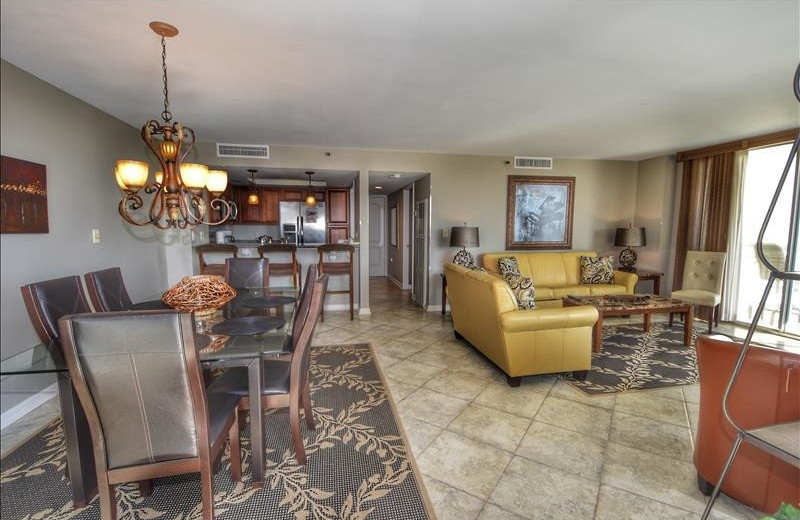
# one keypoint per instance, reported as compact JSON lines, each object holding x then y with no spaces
{"x":595,"y":270}
{"x":464,"y":258}
{"x":522,"y":287}
{"x":508,"y":265}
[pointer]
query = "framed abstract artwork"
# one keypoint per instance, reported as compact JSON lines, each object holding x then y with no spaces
{"x":23,"y":196}
{"x":539,"y":212}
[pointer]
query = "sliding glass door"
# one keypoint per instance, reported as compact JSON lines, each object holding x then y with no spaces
{"x":761,"y":174}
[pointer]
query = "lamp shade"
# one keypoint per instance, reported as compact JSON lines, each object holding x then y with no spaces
{"x":630,"y":237}
{"x":464,"y":237}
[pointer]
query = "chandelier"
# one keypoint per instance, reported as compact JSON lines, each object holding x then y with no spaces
{"x":182,"y":193}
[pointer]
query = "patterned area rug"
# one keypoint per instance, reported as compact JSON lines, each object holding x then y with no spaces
{"x":359,"y":465}
{"x":630,"y":359}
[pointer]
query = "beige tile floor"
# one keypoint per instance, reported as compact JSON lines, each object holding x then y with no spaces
{"x":491,"y":452}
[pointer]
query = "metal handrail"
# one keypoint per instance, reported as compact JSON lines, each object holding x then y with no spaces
{"x":774,"y":273}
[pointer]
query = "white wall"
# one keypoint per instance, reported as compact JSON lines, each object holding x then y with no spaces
{"x":79,"y":146}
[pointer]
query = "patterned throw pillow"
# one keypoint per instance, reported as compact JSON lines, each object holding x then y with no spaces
{"x":522,"y":287}
{"x":508,"y":265}
{"x":464,"y":258}
{"x":597,"y":270}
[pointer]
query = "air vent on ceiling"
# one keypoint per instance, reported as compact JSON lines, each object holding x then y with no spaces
{"x":534,"y":163}
{"x":260,"y":151}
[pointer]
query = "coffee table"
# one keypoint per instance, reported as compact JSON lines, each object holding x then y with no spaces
{"x":626,"y":305}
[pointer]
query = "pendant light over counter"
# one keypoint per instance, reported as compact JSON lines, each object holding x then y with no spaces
{"x":311,"y":200}
{"x":253,"y":198}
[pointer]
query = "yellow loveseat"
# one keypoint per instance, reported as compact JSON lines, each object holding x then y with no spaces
{"x":520,"y":342}
{"x":557,"y":274}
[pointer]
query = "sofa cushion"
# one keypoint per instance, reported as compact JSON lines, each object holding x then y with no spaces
{"x":597,"y":270}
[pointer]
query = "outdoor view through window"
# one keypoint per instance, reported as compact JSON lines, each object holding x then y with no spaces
{"x":763,"y":169}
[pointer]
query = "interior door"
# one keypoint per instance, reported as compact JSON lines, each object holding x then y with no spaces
{"x":420,"y":283}
{"x":377,"y":235}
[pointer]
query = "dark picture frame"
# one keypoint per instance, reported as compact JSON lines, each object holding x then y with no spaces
{"x":539,"y":212}
{"x":23,"y":196}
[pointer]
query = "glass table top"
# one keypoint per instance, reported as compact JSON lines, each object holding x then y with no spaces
{"x":274,"y":302}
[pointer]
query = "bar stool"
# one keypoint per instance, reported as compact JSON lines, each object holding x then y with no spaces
{"x":337,"y":268}
{"x":282,"y":268}
{"x":214,"y":249}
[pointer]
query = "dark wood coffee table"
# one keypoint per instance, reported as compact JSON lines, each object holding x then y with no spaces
{"x":626,"y":305}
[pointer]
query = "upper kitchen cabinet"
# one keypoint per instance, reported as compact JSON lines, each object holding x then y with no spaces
{"x":265,"y":212}
{"x":338,"y":206}
{"x":292,"y":195}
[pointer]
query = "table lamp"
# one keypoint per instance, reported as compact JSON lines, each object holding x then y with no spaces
{"x":629,"y":237}
{"x":464,"y":237}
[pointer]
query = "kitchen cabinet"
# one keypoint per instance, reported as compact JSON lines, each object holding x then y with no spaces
{"x":336,"y":233}
{"x":265,"y":212}
{"x":293,"y":195}
{"x":338,"y":206}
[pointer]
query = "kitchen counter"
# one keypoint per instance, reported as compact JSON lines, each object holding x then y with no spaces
{"x":254,"y":244}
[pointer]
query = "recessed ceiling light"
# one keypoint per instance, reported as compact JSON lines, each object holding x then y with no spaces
{"x":378,"y":187}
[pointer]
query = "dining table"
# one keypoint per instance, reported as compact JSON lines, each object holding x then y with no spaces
{"x":256,"y":324}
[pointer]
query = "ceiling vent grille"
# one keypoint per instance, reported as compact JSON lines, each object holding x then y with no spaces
{"x":533,"y":163}
{"x":255,"y":151}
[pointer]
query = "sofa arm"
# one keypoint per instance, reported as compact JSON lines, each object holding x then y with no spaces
{"x":627,"y":279}
{"x":545,"y":319}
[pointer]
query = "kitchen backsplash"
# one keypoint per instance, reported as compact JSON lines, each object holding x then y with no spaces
{"x":249,"y":232}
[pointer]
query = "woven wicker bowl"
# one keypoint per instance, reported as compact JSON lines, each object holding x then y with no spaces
{"x":202,"y":294}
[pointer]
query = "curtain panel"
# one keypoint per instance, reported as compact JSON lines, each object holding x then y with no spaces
{"x":705,"y":208}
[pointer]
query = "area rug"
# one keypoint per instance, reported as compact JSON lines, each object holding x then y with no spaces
{"x":359,"y":464}
{"x":630,"y":359}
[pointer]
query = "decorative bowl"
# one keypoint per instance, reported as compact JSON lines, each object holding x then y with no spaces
{"x":203,"y":294}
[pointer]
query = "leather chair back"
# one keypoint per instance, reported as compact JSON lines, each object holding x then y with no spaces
{"x":303,"y":307}
{"x":49,"y":300}
{"x":301,"y":355}
{"x":243,"y":273}
{"x":703,"y":271}
{"x":139,"y":381}
{"x":107,"y":290}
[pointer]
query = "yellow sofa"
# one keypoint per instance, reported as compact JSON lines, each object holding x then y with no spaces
{"x":557,"y":274}
{"x":520,"y":342}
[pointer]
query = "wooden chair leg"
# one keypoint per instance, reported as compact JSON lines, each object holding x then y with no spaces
{"x":710,"y":319}
{"x":108,"y":499}
{"x":671,"y":316}
{"x":297,"y":434}
{"x":716,"y":315}
{"x":235,"y":452}
{"x":306,"y":397}
{"x":206,"y":490}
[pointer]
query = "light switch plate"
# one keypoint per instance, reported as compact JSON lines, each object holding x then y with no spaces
{"x":445,"y":233}
{"x":96,"y":236}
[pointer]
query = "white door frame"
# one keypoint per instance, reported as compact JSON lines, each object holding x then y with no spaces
{"x":407,"y":237}
{"x":379,"y":225}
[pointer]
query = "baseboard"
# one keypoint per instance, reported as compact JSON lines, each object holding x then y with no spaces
{"x":364,"y":311}
{"x":23,"y":408}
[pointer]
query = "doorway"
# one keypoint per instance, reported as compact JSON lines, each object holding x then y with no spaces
{"x":377,"y":235}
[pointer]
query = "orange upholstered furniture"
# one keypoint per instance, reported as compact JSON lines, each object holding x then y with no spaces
{"x":767,"y":391}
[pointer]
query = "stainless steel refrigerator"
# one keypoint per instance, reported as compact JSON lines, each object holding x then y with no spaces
{"x":302,"y":224}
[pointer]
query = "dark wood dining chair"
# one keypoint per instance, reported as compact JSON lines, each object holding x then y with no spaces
{"x":280,"y":252}
{"x":214,"y":249}
{"x":139,"y":381}
{"x":241,"y":273}
{"x":286,"y":382}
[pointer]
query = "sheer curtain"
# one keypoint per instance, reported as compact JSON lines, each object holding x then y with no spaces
{"x":730,"y":289}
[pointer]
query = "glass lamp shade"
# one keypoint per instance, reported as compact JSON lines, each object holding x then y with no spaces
{"x":159,"y":178}
{"x":217,"y":181}
{"x":252,"y":198}
{"x":131,"y":175}
{"x":194,"y":175}
{"x":464,"y":237}
{"x":311,"y":199}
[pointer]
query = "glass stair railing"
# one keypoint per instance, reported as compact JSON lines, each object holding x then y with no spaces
{"x":781,"y":440}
